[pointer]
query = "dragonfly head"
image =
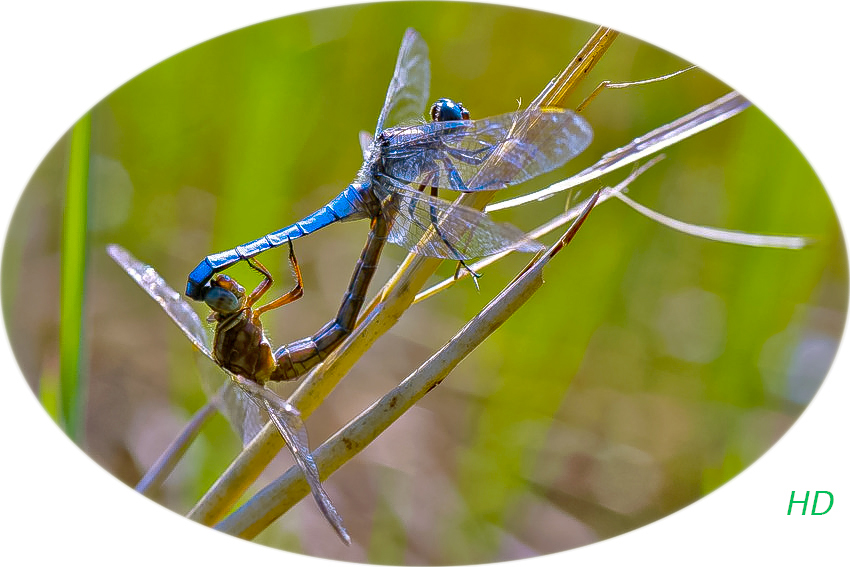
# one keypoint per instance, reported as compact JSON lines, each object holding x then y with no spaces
{"x":224,"y":295}
{"x":446,"y":109}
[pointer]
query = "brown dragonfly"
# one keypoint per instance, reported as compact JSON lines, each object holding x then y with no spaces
{"x":241,"y":349}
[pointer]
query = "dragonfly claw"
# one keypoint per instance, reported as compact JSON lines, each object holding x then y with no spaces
{"x":462,"y":266}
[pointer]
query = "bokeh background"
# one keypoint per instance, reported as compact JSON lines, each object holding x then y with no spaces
{"x":651,"y":368}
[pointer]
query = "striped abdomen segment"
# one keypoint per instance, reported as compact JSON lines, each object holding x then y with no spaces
{"x":355,"y":202}
{"x":296,"y":358}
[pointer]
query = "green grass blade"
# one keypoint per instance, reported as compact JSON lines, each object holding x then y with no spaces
{"x":72,"y":383}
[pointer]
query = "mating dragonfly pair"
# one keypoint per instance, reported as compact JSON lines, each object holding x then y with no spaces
{"x":396,"y":188}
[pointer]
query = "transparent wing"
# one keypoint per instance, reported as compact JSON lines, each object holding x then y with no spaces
{"x":244,"y":416}
{"x":170,"y":301}
{"x":286,"y":418}
{"x":246,"y":419}
{"x":487,"y":154}
{"x":453,"y":231}
{"x":288,"y":421}
{"x":407,"y":94}
{"x":365,"y":143}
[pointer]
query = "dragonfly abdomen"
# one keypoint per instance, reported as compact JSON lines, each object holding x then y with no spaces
{"x":295,"y":359}
{"x":355,"y":202}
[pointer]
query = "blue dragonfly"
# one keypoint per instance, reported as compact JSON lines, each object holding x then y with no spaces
{"x":450,"y":152}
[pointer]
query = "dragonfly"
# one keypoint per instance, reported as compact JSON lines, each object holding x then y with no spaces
{"x":242,"y":351}
{"x":449,"y":152}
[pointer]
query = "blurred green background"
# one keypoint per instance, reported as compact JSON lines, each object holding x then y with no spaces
{"x":650,"y":369}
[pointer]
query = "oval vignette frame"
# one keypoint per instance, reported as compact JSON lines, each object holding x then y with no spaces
{"x":329,"y":229}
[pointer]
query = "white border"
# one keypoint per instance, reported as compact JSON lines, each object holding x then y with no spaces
{"x":59,"y":58}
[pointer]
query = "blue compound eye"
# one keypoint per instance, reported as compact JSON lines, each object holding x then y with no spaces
{"x":221,"y":300}
{"x":446,"y":109}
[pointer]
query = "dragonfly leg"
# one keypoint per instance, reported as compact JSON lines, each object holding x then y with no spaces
{"x":411,"y":207}
{"x":432,"y":181}
{"x":455,"y":180}
{"x":295,"y":293}
{"x":461,"y":265}
{"x":264,"y":285}
{"x":435,"y":222}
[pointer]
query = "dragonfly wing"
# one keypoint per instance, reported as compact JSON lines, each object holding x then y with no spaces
{"x":244,"y":417}
{"x":487,"y":154}
{"x":365,"y":143}
{"x":288,"y":422}
{"x":242,"y":412}
{"x":431,"y":226}
{"x":407,"y":94}
{"x":541,"y":140}
{"x":149,"y":280}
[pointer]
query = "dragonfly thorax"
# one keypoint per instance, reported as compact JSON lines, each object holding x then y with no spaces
{"x":443,"y":110}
